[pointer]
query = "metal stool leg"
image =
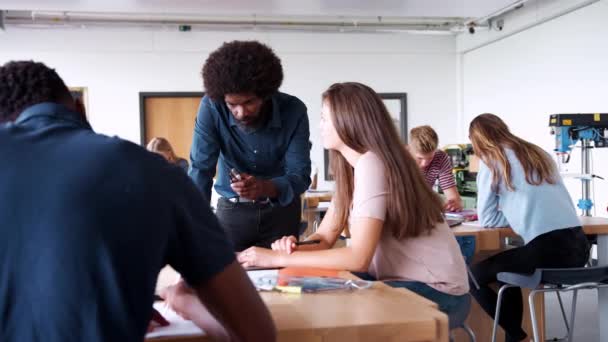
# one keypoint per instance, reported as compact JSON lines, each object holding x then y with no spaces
{"x":497,"y":313}
{"x":533,"y":315}
{"x":469,"y":332}
{"x":561,"y":306}
{"x":472,"y":277}
{"x":572,"y":314}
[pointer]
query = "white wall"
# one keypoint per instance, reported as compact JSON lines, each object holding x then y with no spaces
{"x":116,"y":65}
{"x":556,"y":67}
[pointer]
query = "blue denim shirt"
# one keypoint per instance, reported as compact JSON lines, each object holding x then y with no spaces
{"x":278,"y":151}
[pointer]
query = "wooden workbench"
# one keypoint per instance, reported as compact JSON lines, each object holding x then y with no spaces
{"x":380,"y":313}
{"x":491,"y":240}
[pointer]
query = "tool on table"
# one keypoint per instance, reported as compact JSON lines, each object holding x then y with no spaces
{"x":308,"y":242}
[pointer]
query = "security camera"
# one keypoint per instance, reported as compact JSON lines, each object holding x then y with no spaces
{"x":500,"y":24}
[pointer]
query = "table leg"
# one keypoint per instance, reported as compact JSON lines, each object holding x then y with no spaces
{"x":602,"y":260}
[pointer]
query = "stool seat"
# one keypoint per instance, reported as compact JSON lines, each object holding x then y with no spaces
{"x":556,"y":276}
{"x":552,"y":280}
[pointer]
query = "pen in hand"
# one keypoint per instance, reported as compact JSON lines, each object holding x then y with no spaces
{"x":308,"y":242}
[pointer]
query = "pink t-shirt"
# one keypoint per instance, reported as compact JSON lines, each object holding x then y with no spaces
{"x":433,"y":259}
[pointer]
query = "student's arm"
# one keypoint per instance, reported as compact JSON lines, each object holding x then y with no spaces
{"x":327,"y":233}
{"x":199,"y":250}
{"x":226,"y":306}
{"x":453,"y":201}
{"x":232,"y":299}
{"x":205,"y":149}
{"x":367,"y":220}
{"x":447,"y":183}
{"x":365,"y":234}
{"x":487,"y":200}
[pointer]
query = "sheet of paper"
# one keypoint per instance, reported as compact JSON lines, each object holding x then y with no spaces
{"x":324,"y":205}
{"x":167,"y":276}
{"x":471,"y":223}
{"x":178,"y":326}
{"x":257,"y":275}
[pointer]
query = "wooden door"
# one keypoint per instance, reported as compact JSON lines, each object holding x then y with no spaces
{"x":171,"y":116}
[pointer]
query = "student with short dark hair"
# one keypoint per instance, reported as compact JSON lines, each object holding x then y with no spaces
{"x":518,"y":185}
{"x":87,"y":221}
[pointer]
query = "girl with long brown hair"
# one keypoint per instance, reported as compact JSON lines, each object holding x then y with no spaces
{"x":398,"y":233}
{"x":518,"y":185}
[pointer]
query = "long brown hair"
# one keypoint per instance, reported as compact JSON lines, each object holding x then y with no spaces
{"x":490,"y":135}
{"x":364,"y":124}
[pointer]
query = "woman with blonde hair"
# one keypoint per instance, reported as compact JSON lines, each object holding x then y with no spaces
{"x":398,"y":233}
{"x":163,"y":147}
{"x":519,"y":186}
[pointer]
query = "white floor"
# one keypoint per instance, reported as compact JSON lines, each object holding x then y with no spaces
{"x":586,"y":322}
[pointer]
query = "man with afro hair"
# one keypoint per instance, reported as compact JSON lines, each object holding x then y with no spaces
{"x":244,"y":123}
{"x":87,"y":222}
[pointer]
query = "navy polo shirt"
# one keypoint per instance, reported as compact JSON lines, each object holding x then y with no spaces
{"x":278,"y":151}
{"x":86,"y":223}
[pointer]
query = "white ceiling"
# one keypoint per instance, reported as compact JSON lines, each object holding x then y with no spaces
{"x":366,"y":8}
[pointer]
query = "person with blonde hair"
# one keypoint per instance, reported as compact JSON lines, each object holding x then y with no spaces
{"x":435,"y":164}
{"x":398,"y":233}
{"x":163,"y":147}
{"x":518,"y":185}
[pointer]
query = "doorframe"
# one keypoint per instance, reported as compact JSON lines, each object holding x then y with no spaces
{"x":402,"y":97}
{"x":142,"y":106}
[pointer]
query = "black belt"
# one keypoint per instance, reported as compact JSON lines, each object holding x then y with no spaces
{"x":247,"y":200}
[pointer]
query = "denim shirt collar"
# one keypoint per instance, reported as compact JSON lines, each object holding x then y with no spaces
{"x":53,"y":110}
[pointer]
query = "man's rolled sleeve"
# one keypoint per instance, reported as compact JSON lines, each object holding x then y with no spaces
{"x":204,"y":151}
{"x":297,"y":165}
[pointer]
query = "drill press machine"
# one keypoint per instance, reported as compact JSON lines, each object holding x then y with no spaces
{"x":588,"y":128}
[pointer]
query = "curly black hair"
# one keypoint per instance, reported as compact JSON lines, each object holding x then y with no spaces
{"x":239,"y":67}
{"x":26,"y":83}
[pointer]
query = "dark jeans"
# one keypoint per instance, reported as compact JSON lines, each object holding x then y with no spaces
{"x":557,"y":249}
{"x":448,"y":304}
{"x":258,"y":224}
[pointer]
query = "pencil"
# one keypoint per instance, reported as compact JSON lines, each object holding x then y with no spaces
{"x":308,"y":242}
